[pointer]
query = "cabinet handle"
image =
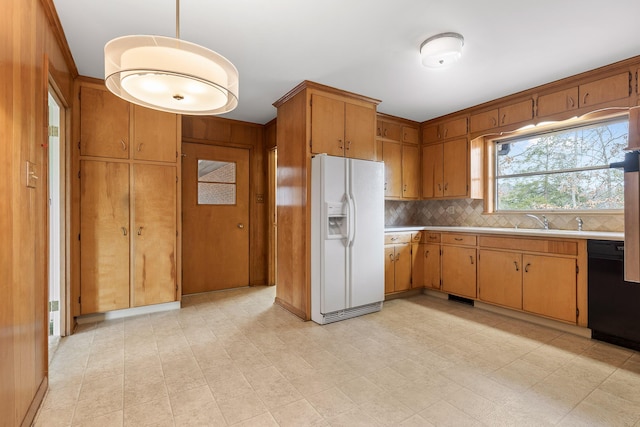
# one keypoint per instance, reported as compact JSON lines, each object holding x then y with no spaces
{"x":124,"y":146}
{"x":494,"y":122}
{"x":348,"y":145}
{"x":391,"y":257}
{"x":397,"y":257}
{"x":379,"y":132}
{"x":240,"y":225}
{"x":404,"y":188}
{"x":446,"y":131}
{"x":393,"y":239}
{"x":385,"y":133}
{"x":471,"y":258}
{"x":124,"y":231}
{"x":426,"y":254}
{"x":584,"y":99}
{"x":571,"y":101}
{"x":340,"y":144}
{"x":459,"y":239}
{"x":140,"y":146}
{"x":140,"y":231}
{"x":385,"y":186}
{"x":439,"y":187}
{"x":526,"y":267}
{"x":504,"y":117}
{"x":446,"y":186}
{"x":516,"y":264}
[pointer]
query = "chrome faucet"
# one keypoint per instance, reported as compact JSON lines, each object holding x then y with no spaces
{"x":544,"y":222}
{"x":580,"y":222}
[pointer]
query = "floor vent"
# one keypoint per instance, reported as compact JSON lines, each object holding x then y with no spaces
{"x":461,"y":300}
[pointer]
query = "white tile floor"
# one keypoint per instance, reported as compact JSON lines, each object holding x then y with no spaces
{"x":234,"y":358}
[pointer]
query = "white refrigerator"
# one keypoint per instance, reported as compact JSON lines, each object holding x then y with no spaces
{"x":347,"y":238}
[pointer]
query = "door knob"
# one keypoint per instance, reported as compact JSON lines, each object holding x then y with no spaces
{"x":240,"y":225}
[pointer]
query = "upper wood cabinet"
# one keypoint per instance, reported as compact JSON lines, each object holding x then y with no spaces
{"x":410,"y":135}
{"x":448,"y":129}
{"x":392,"y":158}
{"x":503,"y":116}
{"x":605,"y":90}
{"x":558,"y":102}
{"x":388,"y":130}
{"x":155,"y":135}
{"x":104,"y":124}
{"x":342,"y":128}
{"x":410,"y":171}
{"x":446,"y":169}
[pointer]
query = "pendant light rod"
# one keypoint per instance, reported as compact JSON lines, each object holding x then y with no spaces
{"x":178,"y":19}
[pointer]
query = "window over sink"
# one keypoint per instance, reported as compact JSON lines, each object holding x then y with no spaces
{"x":562,"y":169}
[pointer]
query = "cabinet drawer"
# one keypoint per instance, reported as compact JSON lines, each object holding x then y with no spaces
{"x":429,"y":237}
{"x":458,"y":239}
{"x":552,"y":246}
{"x":416,"y":236}
{"x":393,"y":238}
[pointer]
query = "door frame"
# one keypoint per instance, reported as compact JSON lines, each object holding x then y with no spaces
{"x":272,"y":214}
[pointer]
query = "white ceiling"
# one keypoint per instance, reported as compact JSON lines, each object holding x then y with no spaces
{"x":371,"y":47}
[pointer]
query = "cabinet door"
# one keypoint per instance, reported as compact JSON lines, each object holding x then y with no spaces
{"x":417,"y":266}
{"x":410,"y":171}
{"x":500,"y":278}
{"x":605,"y":90}
{"x":359,"y":133}
{"x":410,"y":135}
{"x":154,"y":234}
{"x":459,"y":270}
{"x":432,"y":168}
{"x":558,"y":102}
{"x":104,"y":236}
{"x":454,"y":128}
{"x":484,"y":121}
{"x":389,"y":269}
{"x":388,"y":130}
{"x":403,"y":267}
{"x":516,"y":113}
{"x":104,"y":124}
{"x":155,"y":135}
{"x":430,"y":133}
{"x":327,"y":125}
{"x":392,"y":157}
{"x":549,"y":286}
{"x":431,"y":265}
{"x":455,"y":172}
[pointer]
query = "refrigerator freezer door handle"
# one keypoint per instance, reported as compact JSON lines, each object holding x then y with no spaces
{"x":352,"y":216}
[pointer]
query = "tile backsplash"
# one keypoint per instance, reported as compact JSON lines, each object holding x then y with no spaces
{"x":469,"y":213}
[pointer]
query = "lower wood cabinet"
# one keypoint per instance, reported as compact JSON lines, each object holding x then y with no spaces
{"x":459,"y":270}
{"x":127,"y":235}
{"x":500,"y":278}
{"x":431,"y":265}
{"x":549,"y":286}
{"x":397,"y":268}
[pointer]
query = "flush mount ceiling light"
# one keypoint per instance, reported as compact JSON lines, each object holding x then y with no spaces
{"x":170,"y":74}
{"x":441,"y":50}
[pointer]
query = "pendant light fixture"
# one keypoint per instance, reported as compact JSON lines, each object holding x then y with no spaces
{"x":169,"y":74}
{"x":441,"y":50}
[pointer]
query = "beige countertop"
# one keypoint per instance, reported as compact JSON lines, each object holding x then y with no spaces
{"x":533,"y":232}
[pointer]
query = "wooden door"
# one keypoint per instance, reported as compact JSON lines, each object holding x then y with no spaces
{"x":215,"y":218}
{"x":410,"y":171}
{"x":392,"y":158}
{"x":104,"y":124}
{"x":154,"y":234}
{"x":459,"y":270}
{"x":431,"y":265}
{"x":455,"y":168}
{"x":327,"y":126}
{"x":155,"y":135}
{"x":432,"y":171}
{"x":500,"y":278}
{"x":403,"y":267}
{"x":359,"y":132}
{"x":104,"y":236}
{"x":389,"y":269}
{"x":549,"y":286}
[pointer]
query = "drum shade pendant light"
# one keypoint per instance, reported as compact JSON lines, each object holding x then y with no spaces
{"x":170,"y":74}
{"x":441,"y":50}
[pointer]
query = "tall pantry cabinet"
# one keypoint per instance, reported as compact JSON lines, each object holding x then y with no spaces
{"x":127,"y":204}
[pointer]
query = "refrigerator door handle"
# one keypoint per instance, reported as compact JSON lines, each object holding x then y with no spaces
{"x":352,"y":216}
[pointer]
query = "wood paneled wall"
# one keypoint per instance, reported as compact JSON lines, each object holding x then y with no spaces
{"x":232,"y":133}
{"x":29,"y":51}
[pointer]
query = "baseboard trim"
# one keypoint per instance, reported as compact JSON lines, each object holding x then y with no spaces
{"x":32,"y":412}
{"x":127,"y":312}
{"x":293,"y":310}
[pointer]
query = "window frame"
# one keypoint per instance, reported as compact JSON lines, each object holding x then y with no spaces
{"x":491,"y":143}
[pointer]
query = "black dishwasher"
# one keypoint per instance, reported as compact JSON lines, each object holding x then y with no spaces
{"x":614,"y":304}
